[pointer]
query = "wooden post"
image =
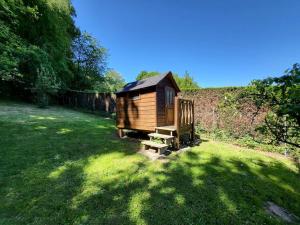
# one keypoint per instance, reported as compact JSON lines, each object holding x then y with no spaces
{"x":95,"y":98}
{"x":193,"y":121}
{"x":177,"y":121}
{"x":120,"y":133}
{"x":106,"y":103}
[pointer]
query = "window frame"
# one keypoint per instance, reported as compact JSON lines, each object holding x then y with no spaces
{"x":169,"y":96}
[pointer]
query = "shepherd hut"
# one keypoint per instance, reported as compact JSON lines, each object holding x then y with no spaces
{"x":153,"y":105}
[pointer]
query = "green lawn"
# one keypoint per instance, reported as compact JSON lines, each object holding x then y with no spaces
{"x":59,"y":166}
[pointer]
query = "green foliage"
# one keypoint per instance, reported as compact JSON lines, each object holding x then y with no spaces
{"x":185,"y":83}
{"x":19,"y":60}
{"x":281,"y":95}
{"x":39,"y":34}
{"x":89,"y":60}
{"x":113,"y":81}
{"x":246,"y":140}
{"x":45,"y":24}
{"x":11,"y":48}
{"x":35,"y":34}
{"x":144,"y":74}
{"x":45,"y":84}
{"x":278,"y":100}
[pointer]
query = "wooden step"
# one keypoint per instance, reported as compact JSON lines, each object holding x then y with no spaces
{"x":160,"y":147}
{"x":162,"y":136}
{"x":167,"y":128}
{"x":167,"y":139}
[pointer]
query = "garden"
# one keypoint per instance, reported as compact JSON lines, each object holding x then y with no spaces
{"x":60,"y":166}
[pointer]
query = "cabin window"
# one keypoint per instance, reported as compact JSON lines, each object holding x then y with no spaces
{"x":170,"y":94}
{"x":134,"y":96}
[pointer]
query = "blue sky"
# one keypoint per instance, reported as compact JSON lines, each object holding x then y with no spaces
{"x":219,"y":42}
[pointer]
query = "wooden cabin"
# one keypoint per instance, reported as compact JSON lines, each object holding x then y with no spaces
{"x":152,"y":105}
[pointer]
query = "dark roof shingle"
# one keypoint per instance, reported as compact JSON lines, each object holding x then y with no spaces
{"x":140,"y":84}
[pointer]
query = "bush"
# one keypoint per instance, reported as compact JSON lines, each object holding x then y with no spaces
{"x":248,"y":141}
{"x":46,"y":84}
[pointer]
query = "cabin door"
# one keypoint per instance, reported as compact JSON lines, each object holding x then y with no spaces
{"x":169,"y":105}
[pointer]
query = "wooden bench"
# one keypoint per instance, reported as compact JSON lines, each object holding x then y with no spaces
{"x":160,"y":147}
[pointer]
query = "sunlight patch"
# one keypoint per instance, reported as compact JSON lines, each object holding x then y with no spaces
{"x":60,"y":5}
{"x":88,"y":191}
{"x":227,"y":202}
{"x":64,"y":131}
{"x":40,"y":128}
{"x":179,"y":199}
{"x":137,"y":205}
{"x":283,"y":185}
{"x":58,"y":172}
{"x":100,"y":163}
{"x":197,"y":182}
{"x":167,"y":190}
{"x":43,"y":117}
{"x":108,"y":170}
{"x":82,"y":220}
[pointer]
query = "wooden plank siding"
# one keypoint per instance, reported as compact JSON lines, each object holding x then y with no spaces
{"x":139,"y":114}
{"x":146,"y":112}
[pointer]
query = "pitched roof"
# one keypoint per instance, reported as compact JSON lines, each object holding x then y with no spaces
{"x":140,"y":84}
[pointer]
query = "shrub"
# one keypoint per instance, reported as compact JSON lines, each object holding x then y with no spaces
{"x":45,"y":84}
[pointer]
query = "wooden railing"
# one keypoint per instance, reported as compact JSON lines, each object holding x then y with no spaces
{"x":184,"y":117}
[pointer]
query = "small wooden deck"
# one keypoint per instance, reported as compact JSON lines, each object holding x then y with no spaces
{"x":172,"y":134}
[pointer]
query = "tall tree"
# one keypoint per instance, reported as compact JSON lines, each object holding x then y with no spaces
{"x":185,"y":83}
{"x":89,"y":61}
{"x":145,"y":74}
{"x":113,"y":81}
{"x":34,"y":34}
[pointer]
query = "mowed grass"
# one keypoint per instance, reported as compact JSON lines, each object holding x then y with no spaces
{"x":58,"y":166}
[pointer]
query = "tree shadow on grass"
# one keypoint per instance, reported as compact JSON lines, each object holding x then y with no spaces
{"x":217,"y":192}
{"x":43,"y":160}
{"x":191,"y":191}
{"x":86,"y":176}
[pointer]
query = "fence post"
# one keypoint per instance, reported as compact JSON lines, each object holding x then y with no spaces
{"x":106,"y":103}
{"x":177,"y":121}
{"x":87,"y":100}
{"x":94,"y":99}
{"x":193,"y":121}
